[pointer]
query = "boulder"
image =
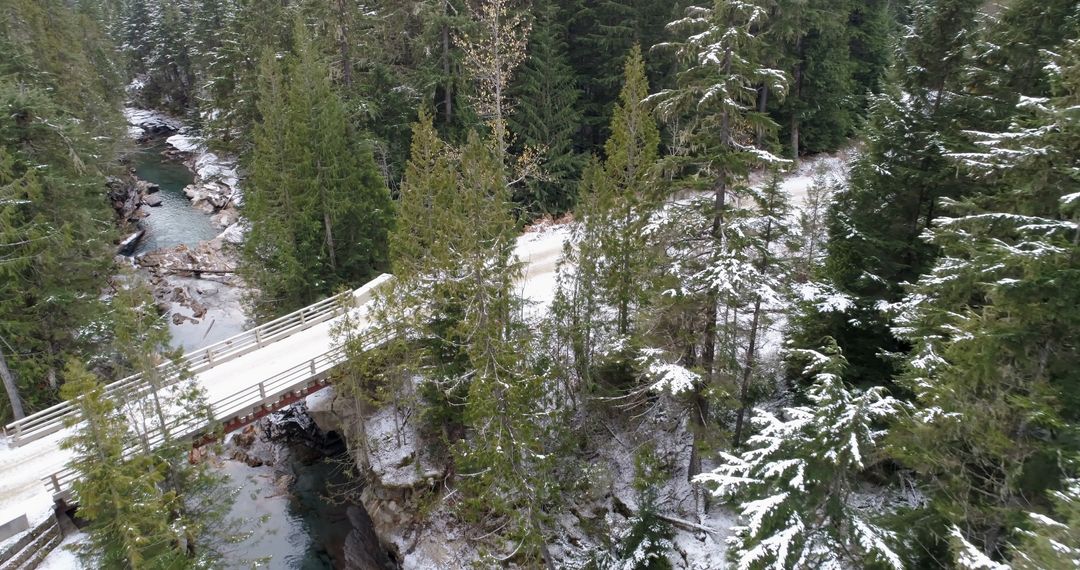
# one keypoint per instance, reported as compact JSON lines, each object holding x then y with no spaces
{"x":152,"y":200}
{"x":320,"y":407}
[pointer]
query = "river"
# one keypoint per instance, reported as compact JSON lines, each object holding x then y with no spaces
{"x":175,"y":222}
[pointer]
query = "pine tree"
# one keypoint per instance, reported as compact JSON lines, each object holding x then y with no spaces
{"x":796,"y":478}
{"x":548,"y":117}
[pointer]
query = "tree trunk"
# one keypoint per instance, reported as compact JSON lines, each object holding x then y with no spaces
{"x":748,"y":369}
{"x":794,"y":138}
{"x":448,"y":98}
{"x":763,"y":102}
{"x":343,"y":44}
{"x":330,"y":240}
{"x":796,"y":90}
{"x":11,"y":388}
{"x":751,"y":348}
{"x":50,"y":374}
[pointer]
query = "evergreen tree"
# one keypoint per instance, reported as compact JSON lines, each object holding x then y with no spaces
{"x":170,"y":80}
{"x":548,"y":116}
{"x":871,"y":29}
{"x":904,"y":171}
{"x":993,"y":327}
{"x":129,"y":526}
{"x":454,"y":294}
{"x":818,"y":112}
{"x":1053,"y":542}
{"x":319,"y":212}
{"x":58,"y":139}
{"x":626,"y":199}
{"x":796,"y":478}
{"x":712,"y":104}
{"x":599,"y":35}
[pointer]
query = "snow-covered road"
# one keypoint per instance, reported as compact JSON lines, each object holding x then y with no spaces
{"x":22,"y":468}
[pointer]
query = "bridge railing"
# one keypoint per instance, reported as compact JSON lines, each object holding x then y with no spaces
{"x":247,"y":402}
{"x":51,"y":420}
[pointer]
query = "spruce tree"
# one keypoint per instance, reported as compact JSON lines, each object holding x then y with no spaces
{"x":548,"y":116}
{"x":714,"y":101}
{"x":903,"y":170}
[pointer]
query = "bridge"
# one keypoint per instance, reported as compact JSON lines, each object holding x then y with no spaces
{"x":244,"y":378}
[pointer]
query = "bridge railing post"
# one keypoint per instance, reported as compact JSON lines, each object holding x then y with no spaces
{"x":262,"y":391}
{"x":56,"y":483}
{"x":258,"y":338}
{"x":312,"y":362}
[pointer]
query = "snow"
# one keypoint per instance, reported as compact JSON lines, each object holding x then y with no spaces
{"x":209,"y":166}
{"x":234,"y":234}
{"x":971,"y":558}
{"x":150,"y":121}
{"x":541,"y":251}
{"x":62,"y":558}
{"x":834,"y":167}
{"x":392,"y":445}
{"x":184,"y":143}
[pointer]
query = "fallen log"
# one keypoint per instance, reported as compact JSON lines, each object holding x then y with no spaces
{"x":686,"y":523}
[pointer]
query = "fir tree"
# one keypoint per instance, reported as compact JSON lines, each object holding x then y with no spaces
{"x":993,"y":329}
{"x":548,"y":116}
{"x":712,"y":104}
{"x":319,"y":211}
{"x":796,"y":478}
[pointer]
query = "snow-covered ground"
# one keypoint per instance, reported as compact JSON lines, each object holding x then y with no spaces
{"x":62,"y":557}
